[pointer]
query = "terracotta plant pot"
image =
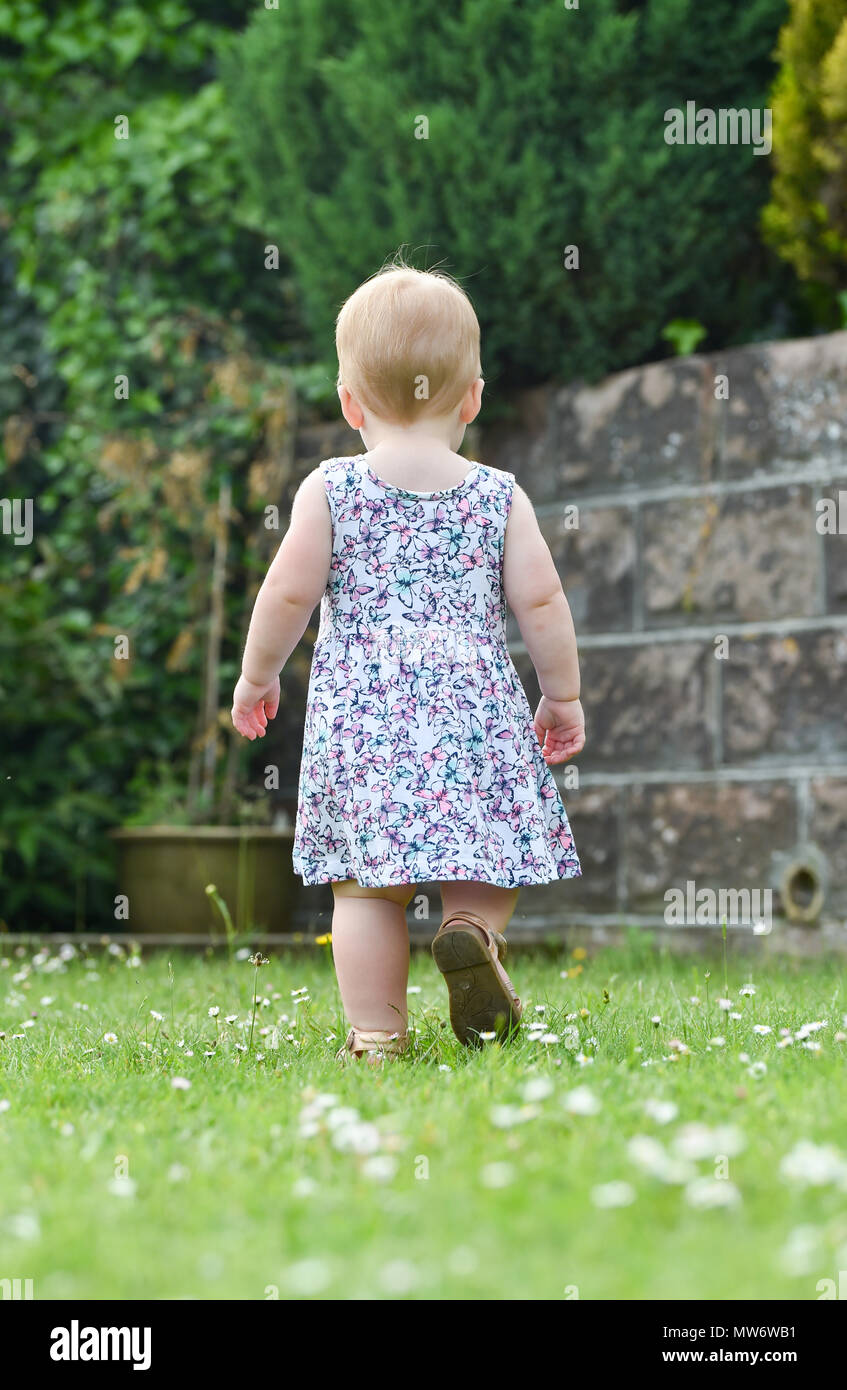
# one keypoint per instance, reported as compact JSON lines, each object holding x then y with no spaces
{"x":163,"y":870}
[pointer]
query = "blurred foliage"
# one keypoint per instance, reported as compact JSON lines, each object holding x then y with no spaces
{"x":806,"y":219}
{"x":126,"y":259}
{"x":545,"y":130}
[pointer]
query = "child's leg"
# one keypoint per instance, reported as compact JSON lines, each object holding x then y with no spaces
{"x":481,"y":995}
{"x":370,"y":947}
{"x":493,"y":903}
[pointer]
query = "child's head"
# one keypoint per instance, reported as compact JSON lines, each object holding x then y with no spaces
{"x":408,"y":345}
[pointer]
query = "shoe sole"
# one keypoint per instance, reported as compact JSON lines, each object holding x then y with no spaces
{"x":479,"y":1000}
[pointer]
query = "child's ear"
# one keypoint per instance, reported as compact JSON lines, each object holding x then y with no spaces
{"x":472,"y":403}
{"x":350,"y":408}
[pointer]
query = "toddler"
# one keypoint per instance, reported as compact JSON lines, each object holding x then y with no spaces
{"x":422,"y":762}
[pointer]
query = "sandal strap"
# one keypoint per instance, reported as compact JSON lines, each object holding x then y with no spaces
{"x":475,"y":920}
{"x":370,"y":1042}
{"x":376,"y":1039}
{"x":500,"y":941}
{"x":472,"y":917}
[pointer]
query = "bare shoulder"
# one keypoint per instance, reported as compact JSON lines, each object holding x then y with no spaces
{"x":522,"y":516}
{"x":520,"y":499}
{"x":310,"y":502}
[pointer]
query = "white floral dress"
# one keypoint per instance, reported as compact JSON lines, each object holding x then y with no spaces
{"x":420,"y":760}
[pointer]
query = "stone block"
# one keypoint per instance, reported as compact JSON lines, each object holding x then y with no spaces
{"x":787,"y":403}
{"x":720,"y":835}
{"x":737,"y":558}
{"x":783,"y":698}
{"x":648,"y":707}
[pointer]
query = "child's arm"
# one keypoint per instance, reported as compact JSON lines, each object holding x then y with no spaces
{"x":292,"y":588}
{"x":535,"y":595}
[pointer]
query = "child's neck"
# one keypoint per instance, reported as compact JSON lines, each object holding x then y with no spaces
{"x":413,"y":441}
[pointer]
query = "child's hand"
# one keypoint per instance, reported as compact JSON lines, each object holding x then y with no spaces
{"x":253,"y":705}
{"x":560,"y":726}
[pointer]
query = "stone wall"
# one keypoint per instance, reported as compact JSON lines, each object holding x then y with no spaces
{"x":711,"y":612}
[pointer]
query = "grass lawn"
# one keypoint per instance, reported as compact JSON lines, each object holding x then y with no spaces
{"x":639,"y":1140}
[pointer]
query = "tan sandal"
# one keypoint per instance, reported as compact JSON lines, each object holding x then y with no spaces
{"x":373,"y":1046}
{"x":482,"y":997}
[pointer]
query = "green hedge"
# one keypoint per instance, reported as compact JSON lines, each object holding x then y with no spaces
{"x":546,"y":129}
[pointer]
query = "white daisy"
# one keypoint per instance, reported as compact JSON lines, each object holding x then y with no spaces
{"x":662,"y":1111}
{"x":815,"y":1165}
{"x":712,"y":1192}
{"x":380,"y":1167}
{"x":538,"y":1088}
{"x":581,"y":1101}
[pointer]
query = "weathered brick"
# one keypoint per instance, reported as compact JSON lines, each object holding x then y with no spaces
{"x":720,"y":835}
{"x":746,"y":556}
{"x":787,"y":402}
{"x":783,"y":697}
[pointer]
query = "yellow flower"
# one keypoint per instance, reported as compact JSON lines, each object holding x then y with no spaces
{"x":574,"y":971}
{"x":579,"y":953}
{"x":324,"y":940}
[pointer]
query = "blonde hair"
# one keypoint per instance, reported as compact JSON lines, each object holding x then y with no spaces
{"x":408,"y":344}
